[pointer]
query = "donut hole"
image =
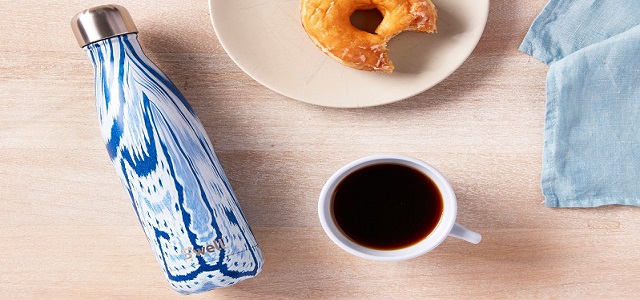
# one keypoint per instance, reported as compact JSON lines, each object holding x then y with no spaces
{"x":366,"y":19}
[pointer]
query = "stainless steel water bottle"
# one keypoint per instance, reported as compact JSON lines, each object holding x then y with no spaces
{"x":165,"y":160}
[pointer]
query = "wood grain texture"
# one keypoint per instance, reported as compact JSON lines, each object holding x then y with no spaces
{"x":482,"y":127}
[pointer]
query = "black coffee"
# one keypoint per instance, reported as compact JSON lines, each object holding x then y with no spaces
{"x":387,"y":206}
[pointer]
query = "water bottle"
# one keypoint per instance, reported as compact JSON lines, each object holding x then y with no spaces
{"x":165,"y":160}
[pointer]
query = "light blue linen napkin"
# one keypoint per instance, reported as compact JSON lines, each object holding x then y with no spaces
{"x":591,"y":154}
{"x":565,"y":26}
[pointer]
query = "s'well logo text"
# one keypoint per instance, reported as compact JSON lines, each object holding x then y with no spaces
{"x":215,"y":245}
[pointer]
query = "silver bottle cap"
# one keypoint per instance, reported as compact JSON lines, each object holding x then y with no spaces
{"x":101,"y":22}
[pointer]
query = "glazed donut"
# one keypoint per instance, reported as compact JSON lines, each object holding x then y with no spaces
{"x":327,"y":22}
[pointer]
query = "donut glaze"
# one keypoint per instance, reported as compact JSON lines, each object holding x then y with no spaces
{"x":327,"y":22}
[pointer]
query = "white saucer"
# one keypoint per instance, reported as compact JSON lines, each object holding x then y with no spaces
{"x":266,"y":40}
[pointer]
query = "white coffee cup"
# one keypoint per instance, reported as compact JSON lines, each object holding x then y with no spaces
{"x":446,"y":225}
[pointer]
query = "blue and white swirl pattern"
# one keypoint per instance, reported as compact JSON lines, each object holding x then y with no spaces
{"x":166,"y":162}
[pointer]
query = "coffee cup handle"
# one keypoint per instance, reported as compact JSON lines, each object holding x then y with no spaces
{"x":459,"y":231}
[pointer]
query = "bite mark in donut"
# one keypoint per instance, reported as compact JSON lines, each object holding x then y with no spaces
{"x":327,"y":22}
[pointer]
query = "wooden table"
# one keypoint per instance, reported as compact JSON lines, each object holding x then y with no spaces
{"x":67,"y":228}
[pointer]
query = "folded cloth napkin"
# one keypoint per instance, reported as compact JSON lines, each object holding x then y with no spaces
{"x":565,"y":26}
{"x":591,"y":154}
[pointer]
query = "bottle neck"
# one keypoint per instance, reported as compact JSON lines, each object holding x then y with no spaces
{"x":113,"y":51}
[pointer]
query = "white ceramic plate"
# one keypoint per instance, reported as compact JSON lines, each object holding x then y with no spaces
{"x":266,"y":40}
